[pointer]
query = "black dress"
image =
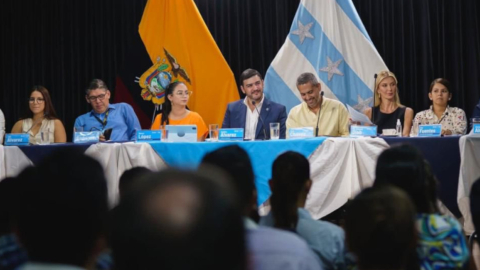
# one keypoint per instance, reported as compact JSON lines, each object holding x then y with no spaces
{"x":387,"y":120}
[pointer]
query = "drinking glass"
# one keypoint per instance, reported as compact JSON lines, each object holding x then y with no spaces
{"x":274,"y":131}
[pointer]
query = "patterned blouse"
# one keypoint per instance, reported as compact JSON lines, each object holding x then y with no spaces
{"x":441,"y":243}
{"x":453,"y":119}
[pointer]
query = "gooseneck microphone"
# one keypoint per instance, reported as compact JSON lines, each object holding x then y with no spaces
{"x":374,"y":93}
{"x":318,"y":117}
{"x":263,"y":123}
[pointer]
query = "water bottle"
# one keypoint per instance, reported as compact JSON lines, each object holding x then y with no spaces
{"x":399,"y":128}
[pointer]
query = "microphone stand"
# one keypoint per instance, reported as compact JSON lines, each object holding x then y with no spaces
{"x":318,"y":117}
{"x":260,"y":117}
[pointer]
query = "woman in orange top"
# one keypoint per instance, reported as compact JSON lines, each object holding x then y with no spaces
{"x":175,"y":110}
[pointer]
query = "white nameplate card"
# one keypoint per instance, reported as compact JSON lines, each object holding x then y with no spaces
{"x":149,"y":136}
{"x":230,"y":134}
{"x":17,"y":139}
{"x":476,"y":129}
{"x":430,"y":130}
{"x":300,"y":133}
{"x":86,"y":137}
{"x":363,"y":131}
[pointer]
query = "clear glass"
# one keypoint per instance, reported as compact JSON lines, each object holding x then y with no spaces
{"x":414,"y":129}
{"x":213,"y":131}
{"x":274,"y":131}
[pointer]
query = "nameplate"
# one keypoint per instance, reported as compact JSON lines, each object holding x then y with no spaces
{"x":476,"y":129}
{"x":149,"y":136}
{"x":300,"y":133}
{"x":363,"y":131}
{"x":17,"y":139}
{"x":230,"y":134}
{"x":86,"y":137}
{"x":430,"y":130}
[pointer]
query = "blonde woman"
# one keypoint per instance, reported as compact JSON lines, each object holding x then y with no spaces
{"x":387,"y":107}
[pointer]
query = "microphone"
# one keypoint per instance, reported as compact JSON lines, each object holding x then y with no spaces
{"x":263,"y":123}
{"x":318,"y":117}
{"x":36,"y":122}
{"x":374,"y":91}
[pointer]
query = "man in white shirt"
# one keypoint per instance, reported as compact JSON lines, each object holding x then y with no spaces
{"x":255,"y":112}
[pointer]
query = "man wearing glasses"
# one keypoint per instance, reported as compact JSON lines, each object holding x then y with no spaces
{"x":119,"y":118}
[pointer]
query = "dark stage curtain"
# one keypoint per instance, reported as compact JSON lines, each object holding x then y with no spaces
{"x":64,"y":44}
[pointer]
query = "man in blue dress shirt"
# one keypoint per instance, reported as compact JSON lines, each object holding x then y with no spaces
{"x":119,"y":117}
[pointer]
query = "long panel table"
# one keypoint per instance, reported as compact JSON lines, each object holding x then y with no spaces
{"x":340,"y":167}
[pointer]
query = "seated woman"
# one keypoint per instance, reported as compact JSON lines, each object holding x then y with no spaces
{"x":441,"y":241}
{"x":290,"y":185}
{"x":452,"y":119}
{"x":175,"y":111}
{"x":387,"y":107}
{"x":41,"y":116}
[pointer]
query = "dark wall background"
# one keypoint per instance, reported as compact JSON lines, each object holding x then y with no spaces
{"x":64,"y":44}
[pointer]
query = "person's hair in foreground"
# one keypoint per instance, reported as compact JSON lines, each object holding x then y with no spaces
{"x":236,"y":162}
{"x":63,"y":212}
{"x":179,"y":220}
{"x":475,"y":204}
{"x":129,"y":178}
{"x":405,"y":167}
{"x":290,"y":180}
{"x":380,"y":228}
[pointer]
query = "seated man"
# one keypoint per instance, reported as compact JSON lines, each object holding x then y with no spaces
{"x":328,"y":117}
{"x":119,"y":117}
{"x":245,"y":113}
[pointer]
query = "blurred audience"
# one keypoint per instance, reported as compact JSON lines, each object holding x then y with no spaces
{"x":290,"y":185}
{"x":268,"y":248}
{"x":62,"y":214}
{"x":441,"y":244}
{"x":129,"y":178}
{"x":179,"y":220}
{"x":380,"y":228}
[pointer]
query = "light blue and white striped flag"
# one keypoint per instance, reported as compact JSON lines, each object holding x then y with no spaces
{"x":327,"y":38}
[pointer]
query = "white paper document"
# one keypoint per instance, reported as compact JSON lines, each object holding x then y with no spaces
{"x":358,"y":116}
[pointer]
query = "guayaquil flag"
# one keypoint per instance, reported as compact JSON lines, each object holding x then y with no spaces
{"x":179,"y":47}
{"x":327,"y":38}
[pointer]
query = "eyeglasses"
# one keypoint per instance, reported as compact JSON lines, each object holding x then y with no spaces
{"x":184,"y":93}
{"x":99,"y":97}
{"x":38,"y":100}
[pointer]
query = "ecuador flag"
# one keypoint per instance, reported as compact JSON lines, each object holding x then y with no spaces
{"x":181,"y":47}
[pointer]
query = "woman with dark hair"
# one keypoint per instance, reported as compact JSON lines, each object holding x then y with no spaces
{"x":41,"y":117}
{"x":290,"y":185}
{"x":452,"y":119}
{"x":441,"y":240}
{"x":387,"y":106}
{"x":176,"y":112}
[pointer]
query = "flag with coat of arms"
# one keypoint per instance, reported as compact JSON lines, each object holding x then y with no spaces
{"x":327,"y":38}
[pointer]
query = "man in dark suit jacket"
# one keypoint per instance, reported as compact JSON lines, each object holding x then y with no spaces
{"x":244,"y":113}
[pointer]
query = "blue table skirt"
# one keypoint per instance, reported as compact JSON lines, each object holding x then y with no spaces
{"x":262,"y":154}
{"x":443,"y":154}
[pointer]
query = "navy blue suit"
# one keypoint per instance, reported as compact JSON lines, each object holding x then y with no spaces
{"x":271,"y":112}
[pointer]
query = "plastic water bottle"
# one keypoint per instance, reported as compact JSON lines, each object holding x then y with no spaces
{"x":399,"y":128}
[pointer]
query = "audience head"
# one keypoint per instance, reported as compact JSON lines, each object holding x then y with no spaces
{"x":251,"y":84}
{"x":404,"y":166}
{"x":98,"y":95}
{"x":386,"y":88}
{"x":475,"y":204}
{"x":63,"y":209}
{"x":39,"y":102}
{"x":309,"y":88}
{"x":440,"y":92}
{"x":380,"y":228}
{"x":236,"y":162}
{"x":290,"y":185}
{"x":129,"y":179}
{"x":179,"y":220}
{"x":175,"y":94}
{"x":9,"y":189}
